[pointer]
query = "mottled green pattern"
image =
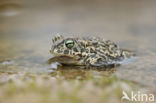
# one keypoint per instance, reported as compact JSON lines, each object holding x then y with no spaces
{"x":88,"y":51}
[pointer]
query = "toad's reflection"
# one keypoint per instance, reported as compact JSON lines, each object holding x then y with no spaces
{"x":76,"y":72}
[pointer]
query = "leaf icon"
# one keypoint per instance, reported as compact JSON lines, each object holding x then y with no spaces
{"x":125,"y":96}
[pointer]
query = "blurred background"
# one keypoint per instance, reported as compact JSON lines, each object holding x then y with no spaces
{"x":27,"y":26}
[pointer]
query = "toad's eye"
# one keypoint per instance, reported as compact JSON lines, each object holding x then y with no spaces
{"x":69,"y":43}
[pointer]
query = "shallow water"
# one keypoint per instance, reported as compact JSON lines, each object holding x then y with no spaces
{"x":26,"y":29}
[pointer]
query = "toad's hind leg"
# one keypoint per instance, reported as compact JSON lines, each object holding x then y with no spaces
{"x":99,"y":61}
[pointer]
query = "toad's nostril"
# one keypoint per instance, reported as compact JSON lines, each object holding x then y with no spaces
{"x":51,"y":51}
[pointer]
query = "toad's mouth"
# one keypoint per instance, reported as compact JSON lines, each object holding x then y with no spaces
{"x":66,"y":59}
